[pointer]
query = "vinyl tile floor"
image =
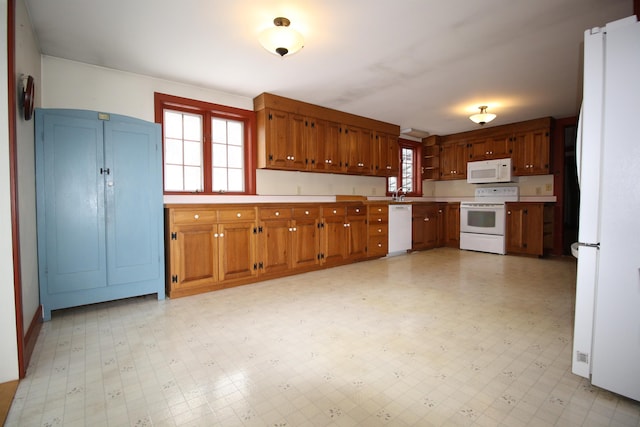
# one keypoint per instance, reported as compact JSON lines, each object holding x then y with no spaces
{"x":435,"y":338}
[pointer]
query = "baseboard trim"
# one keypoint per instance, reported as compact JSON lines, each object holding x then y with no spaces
{"x":31,"y":337}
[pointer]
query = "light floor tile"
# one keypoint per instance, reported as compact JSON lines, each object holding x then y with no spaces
{"x":435,"y":338}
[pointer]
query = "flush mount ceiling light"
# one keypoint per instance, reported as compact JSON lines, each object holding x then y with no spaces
{"x":482,"y":117}
{"x":281,"y":39}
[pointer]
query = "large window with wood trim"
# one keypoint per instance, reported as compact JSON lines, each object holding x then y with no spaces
{"x":409,"y":179}
{"x":207,"y":148}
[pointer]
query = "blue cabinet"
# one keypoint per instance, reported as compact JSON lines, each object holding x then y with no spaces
{"x":99,"y":208}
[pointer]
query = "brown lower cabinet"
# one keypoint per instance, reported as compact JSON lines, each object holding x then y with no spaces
{"x":435,"y":225}
{"x":211,"y":247}
{"x":529,"y":229}
{"x":378,"y":230}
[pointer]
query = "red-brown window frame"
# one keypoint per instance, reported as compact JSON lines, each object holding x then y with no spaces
{"x":417,"y":167}
{"x":208,"y":110}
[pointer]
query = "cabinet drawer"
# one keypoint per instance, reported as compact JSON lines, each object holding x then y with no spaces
{"x":379,"y":211}
{"x":275,"y":213}
{"x":308,"y":212}
{"x":379,"y":244}
{"x":236,"y":214}
{"x":378,"y":230}
{"x":195,"y":216}
{"x":333,"y":211}
{"x":356,"y":210}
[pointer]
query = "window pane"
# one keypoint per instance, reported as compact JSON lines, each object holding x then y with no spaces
{"x":235,"y":133}
{"x":192,"y":178}
{"x":393,"y":184}
{"x":192,"y":127}
{"x":173,"y":151}
{"x":192,"y":153}
{"x":219,"y":179}
{"x":236,"y":180}
{"x":173,"y":178}
{"x":236,"y":156}
{"x":219,"y":153}
{"x":172,"y":124}
{"x":219,"y":130}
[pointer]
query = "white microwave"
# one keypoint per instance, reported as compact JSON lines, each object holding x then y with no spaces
{"x":489,"y":171}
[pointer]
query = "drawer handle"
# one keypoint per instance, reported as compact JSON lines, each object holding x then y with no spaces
{"x":335,"y":211}
{"x":196,"y":216}
{"x":277,"y":214}
{"x":379,"y":230}
{"x":379,"y":219}
{"x":238,"y":214}
{"x":306,"y":212}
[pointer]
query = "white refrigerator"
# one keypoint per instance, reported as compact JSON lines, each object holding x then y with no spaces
{"x":606,"y":345}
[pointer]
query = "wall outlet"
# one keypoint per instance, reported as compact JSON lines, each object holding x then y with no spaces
{"x":373,"y":191}
{"x":299,"y":190}
{"x":538,"y":191}
{"x":548,"y":188}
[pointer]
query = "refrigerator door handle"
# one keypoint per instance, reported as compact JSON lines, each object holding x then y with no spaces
{"x":589,"y":245}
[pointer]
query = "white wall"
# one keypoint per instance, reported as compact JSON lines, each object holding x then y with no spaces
{"x":69,"y":84}
{"x":27,"y":62}
{"x":530,"y":186}
{"x":8,"y":339}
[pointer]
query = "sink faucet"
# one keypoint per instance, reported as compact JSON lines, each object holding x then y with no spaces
{"x":398,"y":197}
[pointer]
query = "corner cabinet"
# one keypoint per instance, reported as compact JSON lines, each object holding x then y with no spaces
{"x":99,"y":208}
{"x":529,"y":228}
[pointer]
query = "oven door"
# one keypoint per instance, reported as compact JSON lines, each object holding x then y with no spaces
{"x":482,"y":218}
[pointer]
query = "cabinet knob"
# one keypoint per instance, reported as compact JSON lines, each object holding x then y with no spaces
{"x":306,"y":212}
{"x":508,"y":212}
{"x":290,"y":229}
{"x":238,"y":214}
{"x":295,"y":229}
{"x":335,"y":211}
{"x":196,"y":216}
{"x":221,"y":234}
{"x":379,"y":230}
{"x":379,"y":245}
{"x":277,"y":214}
{"x":379,"y":219}
{"x":357,"y":210}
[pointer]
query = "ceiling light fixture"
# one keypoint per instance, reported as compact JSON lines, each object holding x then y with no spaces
{"x":482,"y":117}
{"x":281,"y":39}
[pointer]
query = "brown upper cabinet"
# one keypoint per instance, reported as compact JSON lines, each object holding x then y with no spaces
{"x":527,"y":143}
{"x":294,"y":135}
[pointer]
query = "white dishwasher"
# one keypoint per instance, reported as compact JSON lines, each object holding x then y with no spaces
{"x":399,"y":228}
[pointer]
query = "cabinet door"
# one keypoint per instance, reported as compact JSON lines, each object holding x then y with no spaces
{"x":306,"y":238}
{"x":71,"y":216}
{"x":275,"y":245}
{"x":277,"y":139}
{"x":194,"y":257}
{"x":524,"y":233}
{"x":453,"y":160}
{"x":236,"y":243}
{"x":298,"y":134}
{"x":334,"y":235}
{"x":330,"y":157}
{"x":393,"y":156}
{"x":358,"y":143}
{"x":452,"y":225}
{"x":357,"y":232}
{"x":134,"y":201}
{"x":531,"y":152}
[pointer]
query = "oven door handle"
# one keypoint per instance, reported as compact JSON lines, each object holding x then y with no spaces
{"x":483,"y":207}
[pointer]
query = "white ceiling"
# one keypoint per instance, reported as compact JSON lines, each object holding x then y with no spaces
{"x":424,"y":64}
